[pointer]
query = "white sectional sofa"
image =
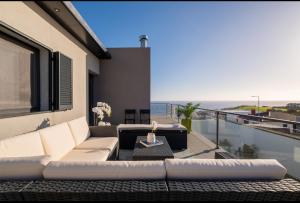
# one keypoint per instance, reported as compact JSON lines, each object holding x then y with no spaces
{"x":72,"y":161}
{"x":26,"y":156}
{"x":69,"y":151}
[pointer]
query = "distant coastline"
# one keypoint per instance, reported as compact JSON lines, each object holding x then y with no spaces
{"x":261,"y":108}
{"x":159,"y":107}
{"x":229,"y":104}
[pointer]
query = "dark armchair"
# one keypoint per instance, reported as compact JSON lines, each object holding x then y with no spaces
{"x":130,"y":116}
{"x":144,"y":116}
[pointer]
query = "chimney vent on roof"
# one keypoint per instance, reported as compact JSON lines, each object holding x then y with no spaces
{"x":144,"y":41}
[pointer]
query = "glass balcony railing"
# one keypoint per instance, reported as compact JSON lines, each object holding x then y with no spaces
{"x":246,"y":136}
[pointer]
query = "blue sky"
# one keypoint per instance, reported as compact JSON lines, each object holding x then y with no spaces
{"x":208,"y":50}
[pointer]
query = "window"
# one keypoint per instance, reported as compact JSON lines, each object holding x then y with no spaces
{"x":32,"y":77}
{"x":19,"y":76}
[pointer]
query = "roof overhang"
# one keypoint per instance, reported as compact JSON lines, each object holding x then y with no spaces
{"x":66,"y":14}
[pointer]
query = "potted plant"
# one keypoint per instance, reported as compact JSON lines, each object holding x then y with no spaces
{"x":101,"y":109}
{"x":187,"y":112}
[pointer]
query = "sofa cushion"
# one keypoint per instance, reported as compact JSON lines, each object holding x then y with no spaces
{"x":106,"y":170}
{"x":86,"y":155}
{"x":175,"y":126}
{"x":80,"y":129}
{"x":57,"y":140}
{"x":134,"y":127}
{"x":149,"y":127}
{"x":23,"y":167}
{"x":25,"y":145}
{"x":224,"y":169}
{"x":108,"y":143}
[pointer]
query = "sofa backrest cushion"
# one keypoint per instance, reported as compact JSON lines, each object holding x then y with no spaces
{"x":28,"y":168}
{"x":224,"y":169}
{"x":176,"y":126}
{"x":24,"y":145}
{"x":106,"y":170}
{"x":160,"y":126}
{"x":57,"y":140}
{"x":80,"y":130}
{"x":121,"y":127}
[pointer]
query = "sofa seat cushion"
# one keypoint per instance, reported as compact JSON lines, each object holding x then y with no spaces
{"x":57,"y":140}
{"x":106,"y":170}
{"x":23,"y":167}
{"x":25,"y":145}
{"x":80,"y":129}
{"x":86,"y":155}
{"x":224,"y":169}
{"x":108,"y":143}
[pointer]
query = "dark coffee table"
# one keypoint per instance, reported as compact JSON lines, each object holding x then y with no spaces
{"x":160,"y":152}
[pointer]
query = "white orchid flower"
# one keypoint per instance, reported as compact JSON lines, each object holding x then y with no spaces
{"x":154,"y":125}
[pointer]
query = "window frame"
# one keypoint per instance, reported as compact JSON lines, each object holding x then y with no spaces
{"x":21,"y":38}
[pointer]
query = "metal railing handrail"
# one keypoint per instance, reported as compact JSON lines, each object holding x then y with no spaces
{"x":220,"y":112}
{"x":250,"y":116}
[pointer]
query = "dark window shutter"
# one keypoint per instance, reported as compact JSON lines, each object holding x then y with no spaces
{"x":63,"y":84}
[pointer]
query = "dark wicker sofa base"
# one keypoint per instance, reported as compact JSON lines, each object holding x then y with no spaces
{"x":149,"y":190}
{"x":286,"y":189}
{"x":11,"y":190}
{"x":172,"y":190}
{"x":84,"y":190}
{"x":95,"y":190}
